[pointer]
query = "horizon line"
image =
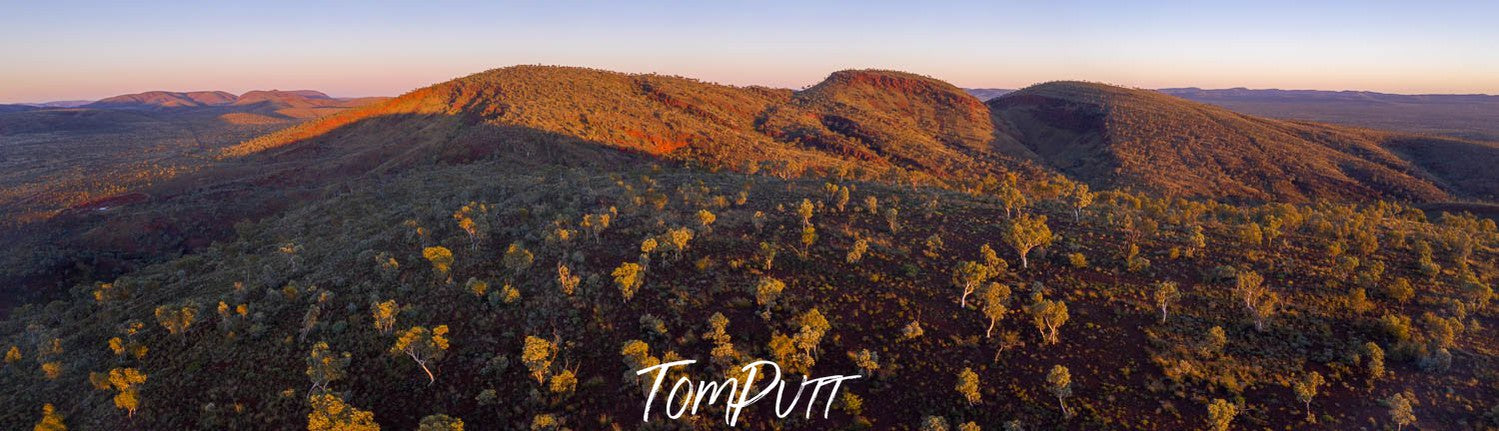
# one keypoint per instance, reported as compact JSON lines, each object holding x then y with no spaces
{"x":793,"y":88}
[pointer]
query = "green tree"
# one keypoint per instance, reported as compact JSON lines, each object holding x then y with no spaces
{"x":627,"y":276}
{"x":440,"y":422}
{"x":177,"y":320}
{"x":1049,"y":315}
{"x":809,"y":236}
{"x":51,"y":420}
{"x":323,"y":367}
{"x":1399,"y":290}
{"x":1307,"y":388}
{"x":637,"y":356}
{"x":545,"y":422}
{"x":933,"y":246}
{"x":442,"y":261}
{"x":934,"y":423}
{"x":563,"y":383}
{"x":812,"y":327}
{"x":1059,"y":383}
{"x":676,"y":241}
{"x":329,"y":413}
{"x":1221,"y":414}
{"x":537,"y":354}
{"x":783,"y":349}
{"x":595,"y":224}
{"x":1165,"y":295}
{"x":476,"y":286}
{"x":384,"y":314}
{"x":766,"y":293}
{"x":992,"y":261}
{"x":856,"y":253}
{"x":517,"y":259}
{"x":706,"y":219}
{"x":767,"y":255}
{"x":867,"y":361}
{"x":1251,"y":234}
{"x":1025,"y":233}
{"x":1374,"y":364}
{"x":804,"y":210}
{"x":968,"y":386}
{"x":1215,"y":341}
{"x":126,"y":383}
{"x":1256,"y":297}
{"x":994,"y":297}
{"x":1009,"y":195}
{"x":1401,"y":411}
{"x":1197,"y":240}
{"x":1079,"y":198}
{"x":723,"y":351}
{"x":423,"y":346}
{"x":476,"y":230}
{"x":967,"y":276}
{"x":566,"y":281}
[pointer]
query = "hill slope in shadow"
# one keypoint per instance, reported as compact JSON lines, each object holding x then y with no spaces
{"x":1117,"y":137}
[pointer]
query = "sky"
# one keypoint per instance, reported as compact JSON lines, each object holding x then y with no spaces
{"x":67,"y":50}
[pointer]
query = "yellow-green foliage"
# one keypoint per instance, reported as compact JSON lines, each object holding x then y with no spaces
{"x":537,"y":354}
{"x":441,"y":259}
{"x":628,"y":277}
{"x":329,"y":413}
{"x":176,"y":320}
{"x":51,"y":420}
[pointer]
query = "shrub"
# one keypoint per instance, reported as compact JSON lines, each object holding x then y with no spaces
{"x":1077,"y":260}
{"x":1221,"y":414}
{"x":968,"y":386}
{"x":628,"y":277}
{"x":329,"y":413}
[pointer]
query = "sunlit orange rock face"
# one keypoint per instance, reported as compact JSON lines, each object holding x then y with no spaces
{"x":880,"y":119}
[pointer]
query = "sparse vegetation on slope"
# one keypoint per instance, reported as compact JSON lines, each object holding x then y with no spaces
{"x":368,"y":268}
{"x":1140,"y":139}
{"x":505,"y":250}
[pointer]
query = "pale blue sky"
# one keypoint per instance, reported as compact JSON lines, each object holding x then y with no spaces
{"x":58,"y":50}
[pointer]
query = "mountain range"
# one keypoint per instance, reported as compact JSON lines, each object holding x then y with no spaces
{"x":1119,"y":137}
{"x":870,"y":124}
{"x":558,"y":228}
{"x":881,"y":120}
{"x":293,"y":103}
{"x":62,"y":154}
{"x":1468,"y":116}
